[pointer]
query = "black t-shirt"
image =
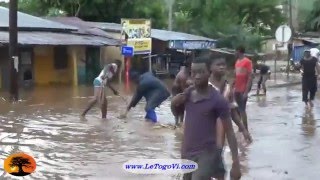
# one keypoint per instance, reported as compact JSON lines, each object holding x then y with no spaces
{"x":309,"y":66}
{"x":264,"y":69}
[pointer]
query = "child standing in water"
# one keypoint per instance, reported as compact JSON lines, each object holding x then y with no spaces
{"x":99,"y":83}
{"x":218,"y":81}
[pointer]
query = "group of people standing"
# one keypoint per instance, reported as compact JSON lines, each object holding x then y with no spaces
{"x":206,"y":103}
{"x":202,"y":97}
{"x":210,"y":105}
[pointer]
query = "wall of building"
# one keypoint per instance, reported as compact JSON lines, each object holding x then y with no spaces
{"x":45,"y":72}
{"x":110,"y":53}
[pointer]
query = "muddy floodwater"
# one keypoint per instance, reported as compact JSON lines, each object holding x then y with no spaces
{"x":46,"y":125}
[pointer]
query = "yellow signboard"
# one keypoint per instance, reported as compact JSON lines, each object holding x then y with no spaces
{"x":137,"y":33}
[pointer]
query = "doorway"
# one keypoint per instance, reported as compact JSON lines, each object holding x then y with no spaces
{"x":26,"y":72}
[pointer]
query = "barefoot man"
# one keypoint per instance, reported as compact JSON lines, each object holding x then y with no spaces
{"x":218,"y":81}
{"x":243,"y":82}
{"x":206,"y":123}
{"x":179,"y":85}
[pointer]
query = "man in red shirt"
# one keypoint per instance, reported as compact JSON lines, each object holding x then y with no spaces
{"x":243,"y":82}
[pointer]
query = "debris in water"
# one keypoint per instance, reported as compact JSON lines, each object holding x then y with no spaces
{"x":36,"y":105}
{"x":286,"y":172}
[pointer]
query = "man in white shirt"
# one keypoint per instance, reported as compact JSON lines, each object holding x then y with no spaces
{"x":315,"y":52}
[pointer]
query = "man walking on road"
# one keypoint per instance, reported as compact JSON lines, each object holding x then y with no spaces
{"x":243,"y":82}
{"x":309,"y":78}
{"x":206,"y":122}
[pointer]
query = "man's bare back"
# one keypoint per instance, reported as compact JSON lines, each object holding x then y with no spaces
{"x":179,"y":85}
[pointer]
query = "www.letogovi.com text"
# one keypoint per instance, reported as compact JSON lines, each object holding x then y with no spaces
{"x":162,"y":166}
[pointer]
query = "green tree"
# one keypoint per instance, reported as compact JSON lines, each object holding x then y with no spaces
{"x":99,"y":10}
{"x":312,"y":21}
{"x":232,"y":22}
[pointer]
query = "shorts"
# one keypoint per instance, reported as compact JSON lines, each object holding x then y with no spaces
{"x":241,"y":101}
{"x":97,"y":83}
{"x":209,"y":165}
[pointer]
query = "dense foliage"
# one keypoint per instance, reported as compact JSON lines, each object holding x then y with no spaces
{"x":233,"y":22}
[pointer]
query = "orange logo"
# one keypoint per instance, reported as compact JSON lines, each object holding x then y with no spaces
{"x":19,"y":164}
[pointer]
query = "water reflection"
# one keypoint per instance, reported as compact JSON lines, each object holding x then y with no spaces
{"x":262,"y":101}
{"x":48,"y":127}
{"x":308,"y":123}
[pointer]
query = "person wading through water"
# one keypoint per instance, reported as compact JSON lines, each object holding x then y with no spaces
{"x":99,"y":83}
{"x":242,"y":82}
{"x":207,"y":120}
{"x":218,"y":80}
{"x":179,"y":85}
{"x":310,"y":70}
{"x":264,"y":76}
{"x":152,"y":89}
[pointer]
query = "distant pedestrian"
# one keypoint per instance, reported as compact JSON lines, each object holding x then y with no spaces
{"x":264,"y":75}
{"x":153,"y":90}
{"x":243,"y":82}
{"x":207,"y":120}
{"x":218,"y":81}
{"x":99,"y":84}
{"x":179,"y":85}
{"x":310,"y":70}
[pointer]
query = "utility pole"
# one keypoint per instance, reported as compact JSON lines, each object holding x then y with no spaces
{"x":290,"y":45}
{"x":170,"y":7}
{"x":13,"y":49}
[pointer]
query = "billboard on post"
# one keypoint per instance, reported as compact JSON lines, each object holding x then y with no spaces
{"x":137,"y":33}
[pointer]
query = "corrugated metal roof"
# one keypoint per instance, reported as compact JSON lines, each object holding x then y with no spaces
{"x":162,"y":35}
{"x":51,"y":38}
{"x":309,"y":39}
{"x":165,"y":35}
{"x":83,"y":26}
{"x":28,"y":21}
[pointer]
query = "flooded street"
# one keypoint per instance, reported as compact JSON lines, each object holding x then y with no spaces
{"x":46,"y":125}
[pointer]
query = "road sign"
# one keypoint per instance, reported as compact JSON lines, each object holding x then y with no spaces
{"x":127,"y":51}
{"x":283,"y":33}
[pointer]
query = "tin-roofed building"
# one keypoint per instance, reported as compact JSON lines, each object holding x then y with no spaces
{"x":50,"y":52}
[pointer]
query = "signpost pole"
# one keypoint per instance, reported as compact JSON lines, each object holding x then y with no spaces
{"x":283,"y":35}
{"x":150,"y":62}
{"x":127,"y":68}
{"x":275,"y":63}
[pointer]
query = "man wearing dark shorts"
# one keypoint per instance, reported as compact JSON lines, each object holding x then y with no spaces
{"x":243,"y":82}
{"x":310,"y":71}
{"x":206,"y":121}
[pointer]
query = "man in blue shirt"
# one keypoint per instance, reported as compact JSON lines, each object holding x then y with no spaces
{"x":153,"y":90}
